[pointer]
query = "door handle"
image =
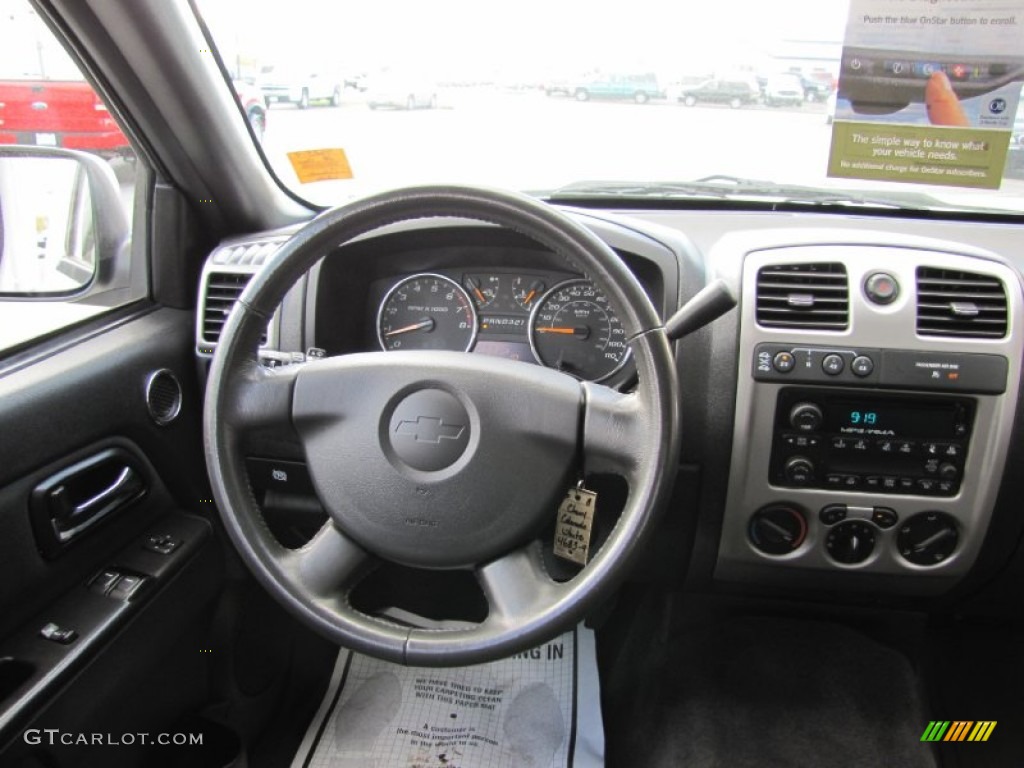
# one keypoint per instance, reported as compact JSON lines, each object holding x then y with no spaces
{"x":75,"y":499}
{"x":69,"y":519}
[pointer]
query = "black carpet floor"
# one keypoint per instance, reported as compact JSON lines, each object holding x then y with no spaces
{"x":788,"y":692}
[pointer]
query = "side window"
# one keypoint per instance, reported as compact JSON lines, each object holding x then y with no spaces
{"x":67,"y":186}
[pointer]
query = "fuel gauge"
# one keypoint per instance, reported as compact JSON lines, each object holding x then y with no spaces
{"x":484,"y":289}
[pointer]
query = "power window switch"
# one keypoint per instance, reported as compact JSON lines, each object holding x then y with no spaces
{"x":105,"y":581}
{"x":163,"y":545}
{"x":57,"y":634}
{"x":127,"y":586}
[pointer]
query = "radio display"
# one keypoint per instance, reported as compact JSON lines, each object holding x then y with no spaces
{"x":874,"y":417}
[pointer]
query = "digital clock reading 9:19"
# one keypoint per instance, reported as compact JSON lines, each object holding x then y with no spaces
{"x":864,"y":418}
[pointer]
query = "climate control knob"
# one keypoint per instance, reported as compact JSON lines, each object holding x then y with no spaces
{"x":928,"y":538}
{"x":777,"y":529}
{"x":850,"y":542}
{"x":798,"y":470}
{"x":806,"y":417}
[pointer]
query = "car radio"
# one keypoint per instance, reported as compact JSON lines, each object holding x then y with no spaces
{"x":870,"y":442}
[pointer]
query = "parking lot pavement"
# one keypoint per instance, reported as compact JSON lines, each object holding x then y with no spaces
{"x":526,"y":140}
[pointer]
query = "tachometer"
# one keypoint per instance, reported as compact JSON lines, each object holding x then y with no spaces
{"x":427,"y":312}
{"x":573,"y":329}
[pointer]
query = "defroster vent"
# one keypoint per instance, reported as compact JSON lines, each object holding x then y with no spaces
{"x":808,"y":296}
{"x":961,"y":304}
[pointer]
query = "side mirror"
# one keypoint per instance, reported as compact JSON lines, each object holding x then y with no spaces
{"x":63,"y":222}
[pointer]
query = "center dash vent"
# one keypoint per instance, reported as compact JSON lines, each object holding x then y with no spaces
{"x":962,"y":304}
{"x":222,"y":291}
{"x":810,"y":296}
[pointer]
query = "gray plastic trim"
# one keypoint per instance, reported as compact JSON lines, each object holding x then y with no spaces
{"x":892,"y":326}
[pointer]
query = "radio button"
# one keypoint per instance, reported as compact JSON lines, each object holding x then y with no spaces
{"x":889,"y":482}
{"x":860,"y":445}
{"x":946,"y":486}
{"x":840,"y":443}
{"x":907,"y":484}
{"x":874,"y":482}
{"x":926,"y":484}
{"x":801,"y":441}
{"x":906,"y":447}
{"x":851,"y":481}
{"x":886,"y":445}
{"x":948,"y":471}
{"x":834,"y":481}
{"x":862,"y":365}
{"x":884,"y":517}
{"x":833,"y":364}
{"x":931,"y":466}
{"x":832,"y":514}
{"x":783,"y":362}
{"x":950,"y":450}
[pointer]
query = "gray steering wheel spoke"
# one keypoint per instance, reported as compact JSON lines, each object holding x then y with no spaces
{"x":612,"y":433}
{"x":516,"y":586}
{"x":330,"y":564}
{"x":262,"y":397}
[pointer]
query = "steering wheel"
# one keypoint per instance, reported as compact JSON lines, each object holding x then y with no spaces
{"x":395,"y":490}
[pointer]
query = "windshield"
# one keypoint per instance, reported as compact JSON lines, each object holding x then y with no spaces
{"x":802,"y":100}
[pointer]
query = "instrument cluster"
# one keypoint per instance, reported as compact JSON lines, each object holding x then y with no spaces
{"x":554,"y":319}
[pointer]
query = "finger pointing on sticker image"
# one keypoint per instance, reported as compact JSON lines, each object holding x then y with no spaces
{"x":944,"y":108}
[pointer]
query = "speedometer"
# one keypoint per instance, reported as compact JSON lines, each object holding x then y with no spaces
{"x":427,"y":312}
{"x":573,"y":329}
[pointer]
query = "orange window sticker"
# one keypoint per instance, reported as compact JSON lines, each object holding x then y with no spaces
{"x":320,"y":165}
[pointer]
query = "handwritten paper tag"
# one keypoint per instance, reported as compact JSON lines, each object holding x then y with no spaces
{"x":574,"y":524}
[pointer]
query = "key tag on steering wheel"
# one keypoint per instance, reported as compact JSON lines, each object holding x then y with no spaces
{"x":574,"y":524}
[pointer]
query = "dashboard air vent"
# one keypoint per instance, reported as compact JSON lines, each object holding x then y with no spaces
{"x":811,"y":296}
{"x":222,"y":291}
{"x":963,"y":304}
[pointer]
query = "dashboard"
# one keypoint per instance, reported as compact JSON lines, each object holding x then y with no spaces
{"x":846,"y":428}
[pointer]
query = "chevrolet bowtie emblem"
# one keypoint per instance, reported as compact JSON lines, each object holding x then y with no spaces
{"x":429,"y":429}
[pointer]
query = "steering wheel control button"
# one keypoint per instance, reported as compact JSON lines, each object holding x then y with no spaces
{"x":833,"y":364}
{"x":429,"y":430}
{"x":862,"y":366}
{"x":881,"y":288}
{"x":832,"y":514}
{"x":850,"y":542}
{"x":806,"y":417}
{"x":777,"y":529}
{"x":928,"y":538}
{"x":784,"y":362}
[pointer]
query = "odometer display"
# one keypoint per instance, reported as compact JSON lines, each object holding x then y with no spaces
{"x":573,"y":329}
{"x":427,"y":312}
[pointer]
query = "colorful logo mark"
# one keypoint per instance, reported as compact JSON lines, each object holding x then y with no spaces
{"x":958,"y":730}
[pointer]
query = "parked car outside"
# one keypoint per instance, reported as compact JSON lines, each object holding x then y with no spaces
{"x":401,"y":92}
{"x":736,"y":93}
{"x":58,"y":113}
{"x":251,"y":99}
{"x":817,"y":85}
{"x":281,"y":86}
{"x":784,"y":90}
{"x":640,"y":88}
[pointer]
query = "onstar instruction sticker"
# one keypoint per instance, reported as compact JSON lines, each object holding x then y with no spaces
{"x":928,"y":91}
{"x":320,"y":165}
